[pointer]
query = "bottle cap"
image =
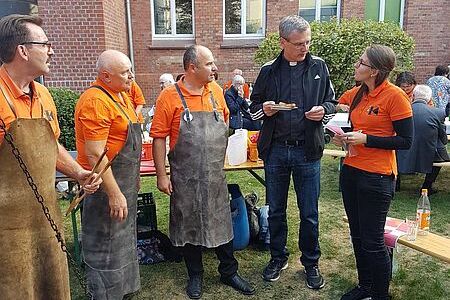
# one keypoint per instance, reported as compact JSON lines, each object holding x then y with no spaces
{"x":425,"y":191}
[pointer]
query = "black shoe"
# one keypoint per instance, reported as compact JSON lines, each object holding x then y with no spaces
{"x":314,"y":279}
{"x":273,"y":269}
{"x":357,"y":293}
{"x":239,"y":284}
{"x":194,"y":287}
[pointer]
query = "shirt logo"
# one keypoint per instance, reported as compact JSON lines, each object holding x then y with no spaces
{"x":48,"y":114}
{"x":317,"y":77}
{"x":373,"y":110}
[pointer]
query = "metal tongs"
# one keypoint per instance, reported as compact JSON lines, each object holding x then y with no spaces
{"x":90,"y":178}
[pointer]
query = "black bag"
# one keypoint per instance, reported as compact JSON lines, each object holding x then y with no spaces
{"x":153,"y":246}
{"x":253,"y":215}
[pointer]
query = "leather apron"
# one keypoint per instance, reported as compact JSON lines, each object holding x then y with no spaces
{"x":109,"y":246}
{"x":199,"y":205}
{"x":32,"y":264}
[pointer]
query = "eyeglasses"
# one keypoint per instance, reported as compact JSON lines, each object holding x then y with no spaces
{"x":47,"y":43}
{"x":299,"y":45}
{"x":360,"y":62}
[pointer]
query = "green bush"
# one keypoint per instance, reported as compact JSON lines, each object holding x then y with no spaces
{"x":65,"y":101}
{"x":341,"y":43}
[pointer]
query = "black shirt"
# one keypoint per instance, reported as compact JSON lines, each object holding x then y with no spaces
{"x":289,"y":125}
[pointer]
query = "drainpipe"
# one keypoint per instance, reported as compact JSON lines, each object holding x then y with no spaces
{"x":130,"y":34}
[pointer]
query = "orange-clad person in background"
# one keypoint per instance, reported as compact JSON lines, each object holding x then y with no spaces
{"x":105,"y":117}
{"x":194,"y":115}
{"x":381,"y":119}
{"x":28,"y":119}
{"x":229,"y":83}
{"x":137,"y":98}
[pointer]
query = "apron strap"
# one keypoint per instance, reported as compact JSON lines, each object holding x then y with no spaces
{"x":183,"y":101}
{"x":120,"y":108}
{"x":11,"y":105}
{"x":213,"y":102}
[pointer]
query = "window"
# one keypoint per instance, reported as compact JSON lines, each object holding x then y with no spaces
{"x":244,"y":17}
{"x":172,"y":18}
{"x":385,"y":10}
{"x":319,"y":10}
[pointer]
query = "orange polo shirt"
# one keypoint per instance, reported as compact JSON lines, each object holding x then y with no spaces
{"x":23,"y":105}
{"x":374,"y":116}
{"x":166,"y":121}
{"x":246,"y":88}
{"x":98,"y":118}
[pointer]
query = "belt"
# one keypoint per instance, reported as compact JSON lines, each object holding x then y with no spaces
{"x":291,"y":143}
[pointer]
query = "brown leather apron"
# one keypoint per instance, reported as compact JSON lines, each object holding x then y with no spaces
{"x":32,"y":264}
{"x":199,"y":206}
{"x":109,"y":247}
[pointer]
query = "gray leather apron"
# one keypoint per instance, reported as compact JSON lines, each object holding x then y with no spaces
{"x":109,"y":246}
{"x":199,"y":206}
{"x":32,"y":263}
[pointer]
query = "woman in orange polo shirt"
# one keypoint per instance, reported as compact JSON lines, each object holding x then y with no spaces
{"x":381,"y":118}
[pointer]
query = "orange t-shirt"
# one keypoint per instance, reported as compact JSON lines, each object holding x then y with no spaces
{"x":137,"y":98}
{"x":246,"y":88}
{"x":98,"y":118}
{"x":23,"y":106}
{"x":374,"y":116}
{"x":166,"y":121}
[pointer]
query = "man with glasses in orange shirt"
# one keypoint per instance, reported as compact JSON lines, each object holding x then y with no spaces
{"x":28,"y":121}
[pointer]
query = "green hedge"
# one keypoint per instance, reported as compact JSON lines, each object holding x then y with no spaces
{"x":65,"y":101}
{"x":341,"y":43}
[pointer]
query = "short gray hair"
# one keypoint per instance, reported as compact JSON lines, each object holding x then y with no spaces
{"x":292,"y":23}
{"x":238,"y":79}
{"x":422,"y":92}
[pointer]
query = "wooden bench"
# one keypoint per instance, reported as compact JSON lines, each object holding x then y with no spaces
{"x":431,"y":244}
{"x":341,"y":153}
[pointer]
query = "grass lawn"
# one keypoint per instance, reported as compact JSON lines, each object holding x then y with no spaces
{"x":418,"y":277}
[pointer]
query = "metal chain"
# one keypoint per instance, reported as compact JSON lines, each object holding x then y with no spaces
{"x":9,"y":138}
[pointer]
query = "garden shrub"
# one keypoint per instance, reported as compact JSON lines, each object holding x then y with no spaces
{"x":65,"y":101}
{"x":341,"y":43}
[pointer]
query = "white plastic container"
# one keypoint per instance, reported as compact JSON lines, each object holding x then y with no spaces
{"x":237,"y":147}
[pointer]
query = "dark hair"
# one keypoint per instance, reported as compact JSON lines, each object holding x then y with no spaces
{"x":190,"y":57}
{"x":13,"y":32}
{"x":179,"y":76}
{"x":381,"y":58}
{"x":405,"y":77}
{"x":441,"y":71}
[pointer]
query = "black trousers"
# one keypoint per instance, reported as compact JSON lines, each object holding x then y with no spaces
{"x":367,"y":197}
{"x":228,"y":265}
{"x":430,"y":178}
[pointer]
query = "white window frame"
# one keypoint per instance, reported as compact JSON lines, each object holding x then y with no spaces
{"x":319,"y":7}
{"x":173,"y":23}
{"x":383,"y":8}
{"x":243,"y":34}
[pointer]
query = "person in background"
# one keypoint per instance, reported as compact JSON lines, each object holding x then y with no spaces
{"x":33,"y":266}
{"x":381,"y":118}
{"x":292,"y":142}
{"x":105,"y":117}
{"x":440,"y":85}
{"x":137,"y":98}
{"x":166,"y":80}
{"x":229,"y":83}
{"x":194,"y":115}
{"x":407,"y":82}
{"x":238,"y":106}
{"x":429,"y":140}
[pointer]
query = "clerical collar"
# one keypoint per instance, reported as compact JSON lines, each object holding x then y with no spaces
{"x":292,"y":63}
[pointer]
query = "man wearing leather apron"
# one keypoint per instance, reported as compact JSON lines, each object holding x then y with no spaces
{"x":105,"y":117}
{"x":33,"y":265}
{"x":194,"y":115}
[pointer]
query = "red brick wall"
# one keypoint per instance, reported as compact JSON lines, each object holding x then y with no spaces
{"x":428,"y":22}
{"x":352,"y":9}
{"x":80,"y":31}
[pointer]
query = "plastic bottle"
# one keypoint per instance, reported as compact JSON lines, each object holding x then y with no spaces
{"x":423,"y":213}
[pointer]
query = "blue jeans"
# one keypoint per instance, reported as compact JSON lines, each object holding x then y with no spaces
{"x":281,"y":162}
{"x":367,"y":197}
